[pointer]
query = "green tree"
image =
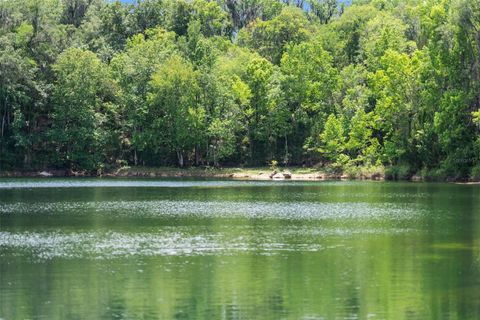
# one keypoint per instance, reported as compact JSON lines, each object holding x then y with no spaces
{"x":177,"y":118}
{"x":362,"y":146}
{"x":332,"y":139}
{"x":89,"y":84}
{"x":343,"y":36}
{"x":270,"y":38}
{"x":20,"y":95}
{"x":382,"y":33}
{"x":244,"y":12}
{"x":352,"y":92}
{"x":148,"y":14}
{"x":133,"y":70}
{"x":323,"y":10}
{"x":212,"y":19}
{"x":397,"y":91}
{"x":82,"y":98}
{"x":309,"y":82}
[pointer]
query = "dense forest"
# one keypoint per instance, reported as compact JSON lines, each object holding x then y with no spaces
{"x":92,"y":85}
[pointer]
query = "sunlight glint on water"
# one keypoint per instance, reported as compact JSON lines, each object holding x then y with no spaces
{"x":157,"y":249}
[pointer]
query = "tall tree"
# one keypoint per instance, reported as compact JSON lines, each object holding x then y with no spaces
{"x":82,"y":98}
{"x":271,"y":38}
{"x":178,"y":119}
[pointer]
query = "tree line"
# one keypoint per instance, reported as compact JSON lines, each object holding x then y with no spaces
{"x":91,"y":85}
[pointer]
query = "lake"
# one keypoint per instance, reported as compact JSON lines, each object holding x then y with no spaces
{"x":190,"y":249}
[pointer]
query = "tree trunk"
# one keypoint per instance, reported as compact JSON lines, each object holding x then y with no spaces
{"x":286,"y":151}
{"x":207,"y":153}
{"x":180,"y":159}
{"x":3,"y":123}
{"x":197,"y":156}
{"x":250,"y":145}
{"x":27,"y":160}
{"x":215,"y":163}
{"x":4,"y":118}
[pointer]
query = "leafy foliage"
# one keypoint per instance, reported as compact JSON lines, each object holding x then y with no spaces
{"x":91,"y":85}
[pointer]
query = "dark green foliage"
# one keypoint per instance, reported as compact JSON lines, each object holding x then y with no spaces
{"x":83,"y":117}
{"x":398,"y":172}
{"x":90,"y":85}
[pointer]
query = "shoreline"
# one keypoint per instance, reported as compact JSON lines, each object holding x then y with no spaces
{"x":252,"y":174}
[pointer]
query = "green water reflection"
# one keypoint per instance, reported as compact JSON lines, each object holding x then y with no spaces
{"x":152,"y":249}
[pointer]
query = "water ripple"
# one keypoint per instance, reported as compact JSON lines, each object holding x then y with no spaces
{"x":89,"y":183}
{"x":178,"y":241}
{"x":223,"y":209}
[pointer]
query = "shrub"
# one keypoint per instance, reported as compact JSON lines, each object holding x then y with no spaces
{"x":274,"y":165}
{"x":437,"y":174}
{"x":373,"y":171}
{"x":352,"y":171}
{"x":398,"y":172}
{"x":475,"y":173}
{"x":340,"y":164}
{"x":365,"y":171}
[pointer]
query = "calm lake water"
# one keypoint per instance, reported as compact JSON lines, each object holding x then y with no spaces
{"x":156,"y":249}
